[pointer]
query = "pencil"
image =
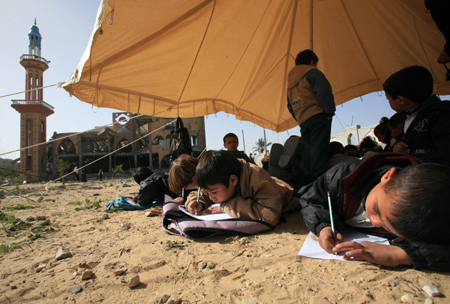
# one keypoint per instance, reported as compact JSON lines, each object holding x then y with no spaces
{"x":198,"y":199}
{"x":331,"y":216}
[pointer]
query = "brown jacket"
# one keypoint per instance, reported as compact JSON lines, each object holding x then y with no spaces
{"x":262,"y":197}
{"x":307,"y":101}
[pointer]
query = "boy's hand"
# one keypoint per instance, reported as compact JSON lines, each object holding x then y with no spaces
{"x":135,"y":199}
{"x":178,"y":200}
{"x":192,"y":207}
{"x":213,"y":210}
{"x":386,"y":255}
{"x":400,"y":147}
{"x":326,"y":240}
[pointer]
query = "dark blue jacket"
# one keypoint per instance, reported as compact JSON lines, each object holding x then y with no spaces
{"x":428,"y":136}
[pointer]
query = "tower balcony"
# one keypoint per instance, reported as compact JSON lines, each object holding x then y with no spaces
{"x":28,"y":106}
{"x":34,"y":61}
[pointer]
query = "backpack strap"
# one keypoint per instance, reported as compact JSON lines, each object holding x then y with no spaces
{"x":178,"y":223}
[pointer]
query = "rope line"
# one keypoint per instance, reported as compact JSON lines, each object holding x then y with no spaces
{"x":30,"y":90}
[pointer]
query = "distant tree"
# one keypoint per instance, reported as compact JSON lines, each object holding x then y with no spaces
{"x":260,"y":145}
{"x":116,"y":170}
{"x":62,"y":166}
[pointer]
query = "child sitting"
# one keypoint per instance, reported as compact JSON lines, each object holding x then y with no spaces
{"x":395,"y":125}
{"x":153,"y":186}
{"x":427,"y":127}
{"x":387,"y":193}
{"x":231,"y":143}
{"x":242,"y":189}
{"x":383,"y":134}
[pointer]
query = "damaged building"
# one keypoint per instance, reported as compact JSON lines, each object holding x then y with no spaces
{"x":132,"y":141}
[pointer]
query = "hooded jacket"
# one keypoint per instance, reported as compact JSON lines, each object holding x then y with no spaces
{"x":309,"y":93}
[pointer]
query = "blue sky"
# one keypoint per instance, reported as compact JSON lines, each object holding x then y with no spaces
{"x":66,"y":27}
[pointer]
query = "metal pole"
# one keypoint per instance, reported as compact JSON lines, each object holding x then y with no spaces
{"x":243,"y":140}
{"x":265,"y":143}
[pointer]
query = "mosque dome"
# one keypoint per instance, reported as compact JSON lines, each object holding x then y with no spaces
{"x":34,"y":30}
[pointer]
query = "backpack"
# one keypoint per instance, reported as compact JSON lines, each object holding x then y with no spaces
{"x":179,"y":223}
{"x":284,"y":161}
{"x":121,"y":203}
{"x":180,"y":141}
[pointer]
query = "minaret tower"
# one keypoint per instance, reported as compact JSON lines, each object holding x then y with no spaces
{"x":33,"y":110}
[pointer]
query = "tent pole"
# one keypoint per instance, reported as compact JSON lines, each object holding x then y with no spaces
{"x":243,"y":140}
{"x":311,"y":25}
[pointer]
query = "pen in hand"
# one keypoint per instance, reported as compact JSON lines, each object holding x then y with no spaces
{"x":198,"y":199}
{"x":331,"y":216}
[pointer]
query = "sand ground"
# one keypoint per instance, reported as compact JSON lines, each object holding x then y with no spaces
{"x":108,"y":252}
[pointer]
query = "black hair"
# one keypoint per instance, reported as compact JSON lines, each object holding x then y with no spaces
{"x":414,"y":82}
{"x":305,"y":57}
{"x":397,"y":119}
{"x":141,"y":174}
{"x":383,"y":128}
{"x":229,"y":135}
{"x":336,"y":148}
{"x":367,"y":143}
{"x":384,"y":119}
{"x":420,"y":206}
{"x":216,"y":167}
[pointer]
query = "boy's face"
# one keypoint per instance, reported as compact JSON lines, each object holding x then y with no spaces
{"x":396,"y":131}
{"x":394,"y":103}
{"x":231,"y":143}
{"x":378,"y":204}
{"x":401,"y":104}
{"x":218,"y":193}
{"x":382,"y":137}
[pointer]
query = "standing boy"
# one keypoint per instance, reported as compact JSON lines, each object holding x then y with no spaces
{"x":311,"y":103}
{"x":391,"y":194}
{"x":242,"y":189}
{"x":427,"y":126}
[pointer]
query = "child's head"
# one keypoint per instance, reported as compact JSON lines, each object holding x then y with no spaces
{"x":182,"y":173}
{"x":367,"y":144}
{"x":307,"y":57}
{"x":412,"y":203}
{"x":383,"y":133}
{"x":231,"y":142}
{"x":384,"y":119}
{"x":336,"y":148}
{"x":396,"y":123}
{"x":414,"y":83}
{"x":218,"y":173}
{"x":141,"y":174}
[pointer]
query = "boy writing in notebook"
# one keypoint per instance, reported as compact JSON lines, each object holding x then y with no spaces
{"x":391,"y":194}
{"x":242,"y":189}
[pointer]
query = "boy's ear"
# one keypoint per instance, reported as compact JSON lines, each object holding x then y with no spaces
{"x":389,"y":174}
{"x":402,"y":99}
{"x":233,"y":180}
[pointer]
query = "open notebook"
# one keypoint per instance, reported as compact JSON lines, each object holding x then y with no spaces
{"x":203,"y":216}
